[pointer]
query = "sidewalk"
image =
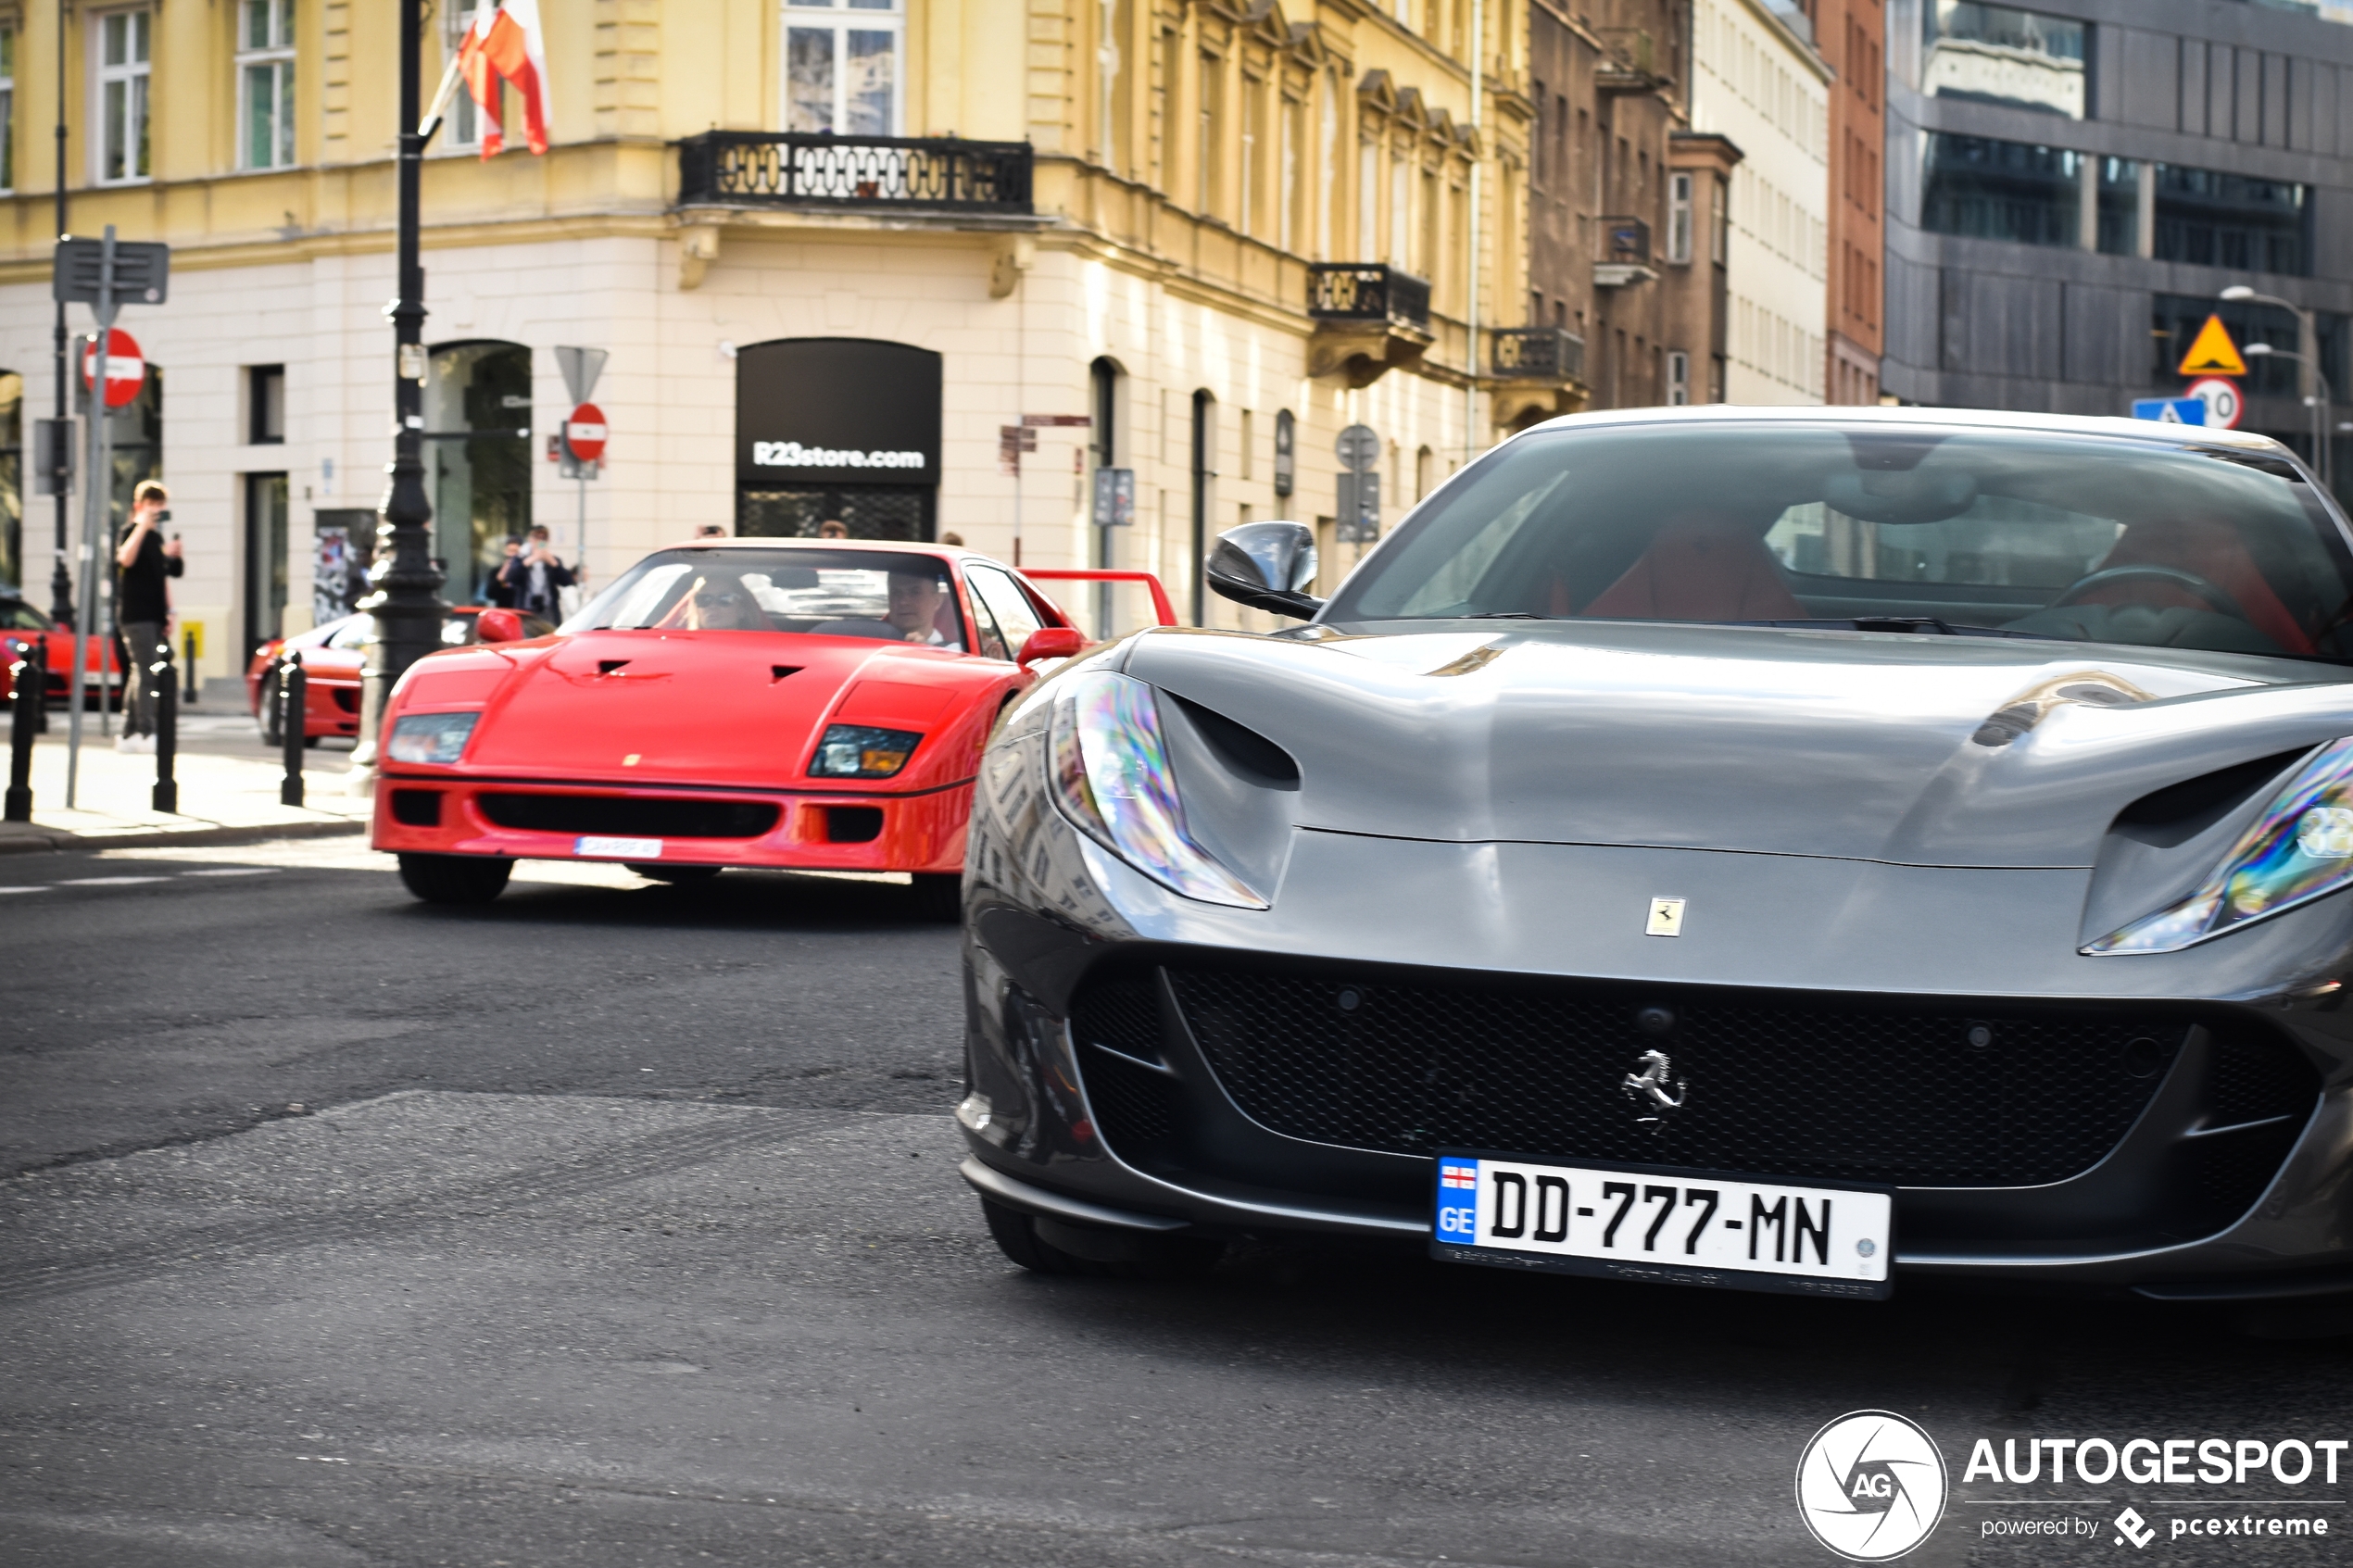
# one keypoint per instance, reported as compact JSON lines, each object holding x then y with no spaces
{"x":223,"y":799}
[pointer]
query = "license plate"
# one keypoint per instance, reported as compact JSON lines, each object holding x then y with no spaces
{"x":1664,"y":1225}
{"x":617,"y":849}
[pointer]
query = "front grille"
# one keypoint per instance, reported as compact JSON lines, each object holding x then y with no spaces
{"x":1123,"y":1013}
{"x":632,"y":818}
{"x":1857,"y":1093}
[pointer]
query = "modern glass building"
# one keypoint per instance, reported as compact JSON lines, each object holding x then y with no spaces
{"x":2071,"y":186}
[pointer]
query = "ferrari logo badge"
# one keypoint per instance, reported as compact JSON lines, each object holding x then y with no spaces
{"x":1656,"y":1089}
{"x":1666,"y":917}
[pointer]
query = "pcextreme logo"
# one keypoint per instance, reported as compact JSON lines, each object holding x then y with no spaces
{"x":1872,"y":1485}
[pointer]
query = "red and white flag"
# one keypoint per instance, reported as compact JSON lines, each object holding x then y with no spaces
{"x":505,"y":44}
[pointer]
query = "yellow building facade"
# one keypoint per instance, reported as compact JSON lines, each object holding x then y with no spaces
{"x":1216,"y":234}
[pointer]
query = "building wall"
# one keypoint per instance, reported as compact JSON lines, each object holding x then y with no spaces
{"x":2240,"y":89}
{"x":1760,"y":83}
{"x":1192,"y":161}
{"x":1852,"y":36}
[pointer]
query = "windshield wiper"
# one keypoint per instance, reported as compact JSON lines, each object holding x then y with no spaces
{"x":1505,"y":615}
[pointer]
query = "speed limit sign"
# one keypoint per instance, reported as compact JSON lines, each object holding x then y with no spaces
{"x":2224,"y":402}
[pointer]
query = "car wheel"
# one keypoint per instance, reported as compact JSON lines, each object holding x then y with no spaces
{"x":455,"y":879}
{"x":677,"y":873}
{"x":939,"y":897}
{"x":273,"y":732}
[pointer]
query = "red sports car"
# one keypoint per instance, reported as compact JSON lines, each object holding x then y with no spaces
{"x":805,"y":704}
{"x":332,"y":656}
{"x":23,"y":627}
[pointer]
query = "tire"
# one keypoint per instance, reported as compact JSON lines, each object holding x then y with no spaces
{"x":939,"y":897}
{"x":455,"y":879}
{"x":272,"y":732}
{"x":1033,"y":1242}
{"x":676,"y":874}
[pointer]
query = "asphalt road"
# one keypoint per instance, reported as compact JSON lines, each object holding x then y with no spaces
{"x":617,"y":1225}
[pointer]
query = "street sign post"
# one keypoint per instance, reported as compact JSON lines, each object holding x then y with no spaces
{"x":1358,"y":518}
{"x":1114,"y":497}
{"x":126,"y":367}
{"x":2222,"y":400}
{"x":579,"y":441}
{"x":2171,"y":410}
{"x":1359,"y":448}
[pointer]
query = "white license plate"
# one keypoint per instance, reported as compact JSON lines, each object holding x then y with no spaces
{"x":1673,"y":1227}
{"x":617,"y":849}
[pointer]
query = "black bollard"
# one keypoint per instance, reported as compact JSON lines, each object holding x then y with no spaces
{"x":188,"y":663}
{"x":31,"y":676}
{"x":293,"y":722}
{"x":167,"y":682}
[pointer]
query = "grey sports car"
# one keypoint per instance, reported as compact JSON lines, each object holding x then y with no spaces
{"x":1780,"y":850}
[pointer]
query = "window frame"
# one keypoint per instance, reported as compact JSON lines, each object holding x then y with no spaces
{"x":840,"y":19}
{"x":1681,"y":185}
{"x":137,"y":76}
{"x":9,"y":34}
{"x":277,"y":58}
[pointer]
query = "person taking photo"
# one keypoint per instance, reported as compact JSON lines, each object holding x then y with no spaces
{"x":143,"y":560}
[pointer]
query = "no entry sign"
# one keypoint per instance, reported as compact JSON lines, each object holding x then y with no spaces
{"x":585,"y":432}
{"x":126,"y":367}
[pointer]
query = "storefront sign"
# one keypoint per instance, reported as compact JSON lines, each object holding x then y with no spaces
{"x":836,"y":410}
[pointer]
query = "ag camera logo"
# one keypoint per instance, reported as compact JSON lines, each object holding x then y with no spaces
{"x":1872,"y":1485}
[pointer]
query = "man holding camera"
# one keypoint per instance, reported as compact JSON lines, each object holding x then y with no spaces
{"x":143,"y":607}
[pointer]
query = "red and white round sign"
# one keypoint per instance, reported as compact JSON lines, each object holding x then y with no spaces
{"x":126,"y":367}
{"x":2224,"y":402}
{"x":585,"y":432}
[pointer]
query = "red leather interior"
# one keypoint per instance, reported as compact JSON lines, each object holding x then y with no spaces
{"x":2212,"y":550}
{"x":1702,"y":566}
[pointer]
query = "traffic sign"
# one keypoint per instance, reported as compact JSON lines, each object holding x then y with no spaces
{"x":2222,"y":400}
{"x":142,"y":273}
{"x":585,"y":432}
{"x":125,"y":368}
{"x":1359,"y":448}
{"x":2212,"y":353}
{"x":1114,"y":497}
{"x":2171,"y":410}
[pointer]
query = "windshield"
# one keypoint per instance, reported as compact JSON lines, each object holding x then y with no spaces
{"x":886,"y":596}
{"x":2028,"y":534}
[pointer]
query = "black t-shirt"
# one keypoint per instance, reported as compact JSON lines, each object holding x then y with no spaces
{"x":141,"y":597}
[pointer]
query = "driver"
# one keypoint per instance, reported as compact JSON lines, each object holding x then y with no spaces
{"x":916,"y":597}
{"x":718,"y":602}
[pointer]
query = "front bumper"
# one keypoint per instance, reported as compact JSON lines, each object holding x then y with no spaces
{"x":443,"y":813}
{"x":1052,"y":1113}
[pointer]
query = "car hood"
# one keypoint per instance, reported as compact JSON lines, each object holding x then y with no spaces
{"x":1913,"y":750}
{"x":706,"y":708}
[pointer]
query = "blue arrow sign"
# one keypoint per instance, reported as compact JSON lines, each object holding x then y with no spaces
{"x":2171,"y":410}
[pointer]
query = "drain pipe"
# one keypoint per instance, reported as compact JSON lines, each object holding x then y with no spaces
{"x":1470,"y":272}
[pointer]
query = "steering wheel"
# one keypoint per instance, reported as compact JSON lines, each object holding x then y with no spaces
{"x":2170,"y":576}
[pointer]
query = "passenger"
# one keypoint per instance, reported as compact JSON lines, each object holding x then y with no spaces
{"x":718,"y":602}
{"x":917,"y":596}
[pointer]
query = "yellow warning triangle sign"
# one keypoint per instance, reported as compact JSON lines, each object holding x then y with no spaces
{"x":2213,"y":354}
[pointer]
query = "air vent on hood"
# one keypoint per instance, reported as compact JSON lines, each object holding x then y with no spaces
{"x":2189,"y":806}
{"x":1243,"y":749}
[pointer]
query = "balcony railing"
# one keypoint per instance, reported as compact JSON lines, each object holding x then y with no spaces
{"x":1552,"y":353}
{"x":794,"y":169}
{"x":1353,"y":291}
{"x":1626,"y":242}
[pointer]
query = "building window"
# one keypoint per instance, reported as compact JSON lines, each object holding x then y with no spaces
{"x":2236,"y":221}
{"x":2120,"y":200}
{"x":1990,"y":190}
{"x":8,"y":109}
{"x":264,"y":404}
{"x":1678,"y":217}
{"x":1678,"y":377}
{"x":842,"y":71}
{"x":1721,"y":223}
{"x":2001,"y":55}
{"x":121,"y":141}
{"x":265,"y":84}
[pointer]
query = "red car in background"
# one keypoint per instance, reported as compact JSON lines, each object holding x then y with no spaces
{"x":332,"y":656}
{"x":803,"y":704}
{"x":24,"y":627}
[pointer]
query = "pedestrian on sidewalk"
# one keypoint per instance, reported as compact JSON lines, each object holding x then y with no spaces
{"x":143,"y":607}
{"x":497,"y":592}
{"x":537,"y":578}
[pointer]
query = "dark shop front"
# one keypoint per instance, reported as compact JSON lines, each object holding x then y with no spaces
{"x":839,"y":430}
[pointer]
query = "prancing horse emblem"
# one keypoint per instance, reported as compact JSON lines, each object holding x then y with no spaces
{"x":1655,"y":1086}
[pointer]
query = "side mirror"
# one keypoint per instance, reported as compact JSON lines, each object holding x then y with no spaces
{"x":1266,"y":565}
{"x":1050,"y":641}
{"x":499,"y":626}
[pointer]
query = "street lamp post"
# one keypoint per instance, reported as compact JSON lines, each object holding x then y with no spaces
{"x":406,"y":603}
{"x":2323,"y":464}
{"x":2308,"y":354}
{"x":60,"y":579}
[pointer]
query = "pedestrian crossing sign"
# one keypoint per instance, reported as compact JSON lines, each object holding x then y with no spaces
{"x":2213,"y":353}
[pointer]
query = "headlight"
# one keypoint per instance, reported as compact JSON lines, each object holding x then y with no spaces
{"x":431,"y":737}
{"x":1111,"y":775}
{"x":855,"y":751}
{"x":2298,"y":849}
